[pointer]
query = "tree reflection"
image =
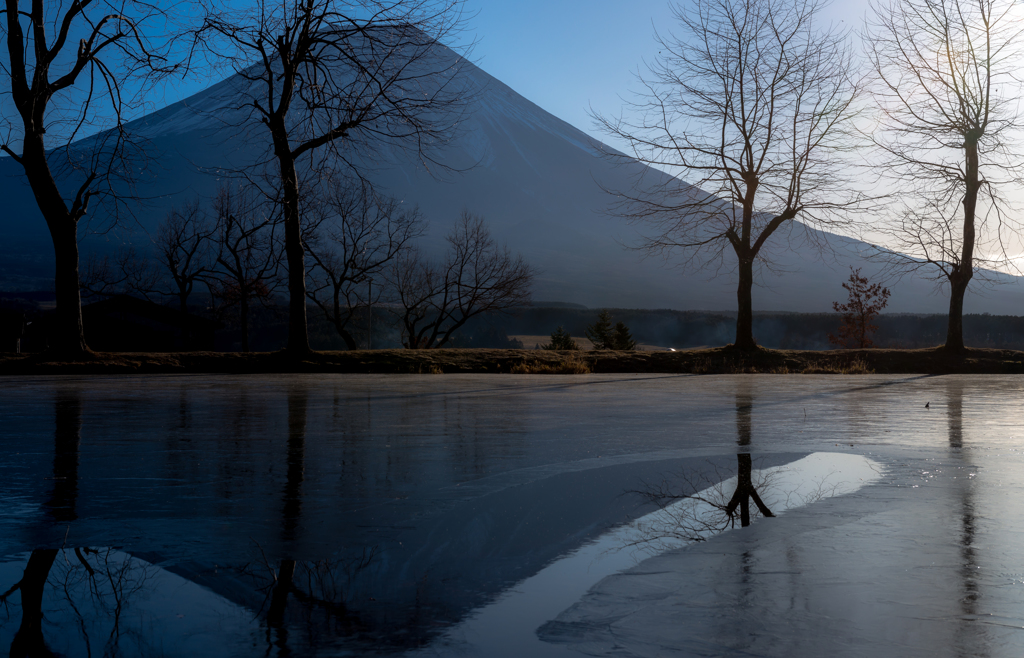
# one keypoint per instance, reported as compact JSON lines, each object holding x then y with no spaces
{"x":29,"y":639}
{"x":745,"y":489}
{"x":318,"y":589}
{"x":298,"y":402}
{"x":318,"y":586}
{"x":968,"y":526}
{"x":291,"y":511}
{"x":699,"y":504}
{"x":67,"y":436}
{"x":92,"y":587}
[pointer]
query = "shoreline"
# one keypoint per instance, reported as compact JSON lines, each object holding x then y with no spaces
{"x":721,"y":360}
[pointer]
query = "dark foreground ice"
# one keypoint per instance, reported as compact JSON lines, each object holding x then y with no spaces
{"x":511,"y":516}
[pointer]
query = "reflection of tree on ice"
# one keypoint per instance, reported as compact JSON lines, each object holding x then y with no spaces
{"x":702,"y":506}
{"x":745,"y":491}
{"x":29,"y":639}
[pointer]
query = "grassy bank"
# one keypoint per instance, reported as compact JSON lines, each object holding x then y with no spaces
{"x":724,"y":360}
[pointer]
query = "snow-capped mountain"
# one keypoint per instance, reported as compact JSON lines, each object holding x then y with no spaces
{"x":536,"y":180}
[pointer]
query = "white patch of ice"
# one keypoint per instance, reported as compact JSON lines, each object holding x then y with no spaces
{"x":507,"y":627}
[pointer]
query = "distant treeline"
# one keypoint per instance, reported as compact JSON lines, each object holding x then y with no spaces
{"x":804,"y":331}
{"x":662,"y":327}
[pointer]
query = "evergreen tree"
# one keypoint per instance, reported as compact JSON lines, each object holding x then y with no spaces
{"x":600,"y":333}
{"x":561,"y":340}
{"x":621,"y":338}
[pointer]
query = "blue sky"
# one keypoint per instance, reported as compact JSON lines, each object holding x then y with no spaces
{"x":564,"y":55}
{"x":569,"y":55}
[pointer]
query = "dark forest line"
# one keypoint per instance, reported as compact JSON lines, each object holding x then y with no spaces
{"x":775,"y":330}
{"x":664,"y":328}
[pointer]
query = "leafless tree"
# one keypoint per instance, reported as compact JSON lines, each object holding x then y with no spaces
{"x":326,"y":77}
{"x":355,"y":235}
{"x":185,"y":250}
{"x":185,"y":246}
{"x":476,"y":276}
{"x":125,"y":272}
{"x":699,"y":505}
{"x":60,"y":86}
{"x":751,"y":105}
{"x":248,"y":253}
{"x":948,"y":85}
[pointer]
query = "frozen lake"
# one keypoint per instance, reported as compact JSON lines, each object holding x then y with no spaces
{"x":501,"y":515}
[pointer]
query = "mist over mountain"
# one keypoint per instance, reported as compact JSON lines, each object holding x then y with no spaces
{"x":536,"y":180}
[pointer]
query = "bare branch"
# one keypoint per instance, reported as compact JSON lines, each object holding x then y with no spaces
{"x":947,"y":85}
{"x":749,"y":111}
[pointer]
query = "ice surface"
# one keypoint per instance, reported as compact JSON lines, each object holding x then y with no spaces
{"x":452,"y":514}
{"x":505,"y":627}
{"x":127,"y":606}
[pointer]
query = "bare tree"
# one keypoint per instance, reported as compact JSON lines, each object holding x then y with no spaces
{"x":185,"y":246}
{"x":355,"y":236}
{"x":59,"y":86}
{"x":476,"y":276}
{"x":248,"y":253}
{"x":751,"y":105}
{"x":125,"y":272}
{"x":948,"y":86}
{"x":185,"y":250}
{"x":326,"y":76}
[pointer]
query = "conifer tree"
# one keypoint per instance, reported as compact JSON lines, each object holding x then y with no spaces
{"x":621,"y":338}
{"x":561,"y":340}
{"x":600,"y":333}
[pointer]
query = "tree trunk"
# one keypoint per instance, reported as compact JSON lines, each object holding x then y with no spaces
{"x":243,"y":305}
{"x":955,"y":328}
{"x":350,"y":341}
{"x":186,"y":334}
{"x":28,"y":641}
{"x":298,"y":336}
{"x":68,"y":335}
{"x":961,"y":276}
{"x":745,"y":306}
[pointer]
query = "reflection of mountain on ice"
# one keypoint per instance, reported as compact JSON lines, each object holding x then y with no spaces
{"x":535,"y":181}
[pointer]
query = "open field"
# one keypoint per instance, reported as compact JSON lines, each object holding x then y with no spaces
{"x":721,"y":360}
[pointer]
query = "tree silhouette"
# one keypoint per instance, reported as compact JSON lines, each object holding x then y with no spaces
{"x":948,"y":86}
{"x":751,"y":105}
{"x":434,"y":300}
{"x":561,"y":340}
{"x":335,"y":84}
{"x":356,"y":234}
{"x":59,"y":85}
{"x":248,"y":253}
{"x":866,"y":300}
